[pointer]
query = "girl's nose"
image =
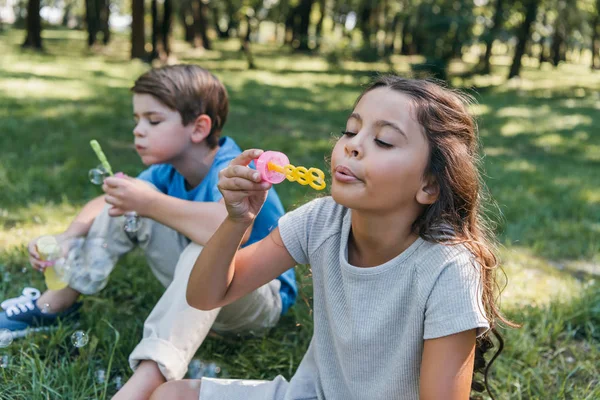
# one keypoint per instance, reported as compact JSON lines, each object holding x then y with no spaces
{"x":354,"y":147}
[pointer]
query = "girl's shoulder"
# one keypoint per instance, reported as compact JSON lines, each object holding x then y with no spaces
{"x":320,"y":211}
{"x":435,"y":258}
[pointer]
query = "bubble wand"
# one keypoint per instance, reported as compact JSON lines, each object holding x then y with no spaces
{"x":97,"y":176}
{"x":101,"y":156}
{"x":275,"y":166}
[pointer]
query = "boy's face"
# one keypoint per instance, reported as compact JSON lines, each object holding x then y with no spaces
{"x":379,"y":163}
{"x":160,"y":137}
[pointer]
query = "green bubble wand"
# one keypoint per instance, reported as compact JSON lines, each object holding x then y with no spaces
{"x":132,"y":219}
{"x":101,"y":156}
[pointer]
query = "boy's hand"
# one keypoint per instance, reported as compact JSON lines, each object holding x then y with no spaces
{"x":34,"y":257}
{"x":242,"y":188}
{"x":125,"y":194}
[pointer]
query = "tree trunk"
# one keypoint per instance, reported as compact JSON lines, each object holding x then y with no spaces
{"x":557,"y":41}
{"x":406,"y":38}
{"x":233,"y":22}
{"x":522,"y":37}
{"x":319,"y":29}
{"x":155,"y":29}
{"x":33,"y":39}
{"x":187,"y":20}
{"x":595,"y":45}
{"x":365,"y":21}
{"x":67,"y":14}
{"x":104,"y":21}
{"x":491,"y":36}
{"x":138,"y":39}
{"x":246,"y":43}
{"x":92,"y":20}
{"x":200,"y":11}
{"x":167,"y":22}
{"x":391,"y":35}
{"x":303,"y":12}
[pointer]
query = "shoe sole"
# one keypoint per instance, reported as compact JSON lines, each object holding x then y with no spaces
{"x":25,"y":332}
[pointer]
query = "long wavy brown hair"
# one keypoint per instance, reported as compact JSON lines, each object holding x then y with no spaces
{"x":457,"y":217}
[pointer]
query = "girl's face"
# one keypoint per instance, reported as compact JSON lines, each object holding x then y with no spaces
{"x":379,"y":162}
{"x":160,"y":136}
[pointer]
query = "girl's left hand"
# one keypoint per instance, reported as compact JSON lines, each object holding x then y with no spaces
{"x":125,"y":193}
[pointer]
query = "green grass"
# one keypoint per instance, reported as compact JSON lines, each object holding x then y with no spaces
{"x":542,"y":159}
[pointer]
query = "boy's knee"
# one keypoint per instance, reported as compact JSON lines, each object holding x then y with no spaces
{"x":177,"y":390}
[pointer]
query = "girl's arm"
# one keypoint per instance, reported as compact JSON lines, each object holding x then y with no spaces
{"x":447,"y":367}
{"x":222,"y":273}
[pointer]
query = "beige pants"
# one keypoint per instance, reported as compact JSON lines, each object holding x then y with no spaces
{"x":173,"y":331}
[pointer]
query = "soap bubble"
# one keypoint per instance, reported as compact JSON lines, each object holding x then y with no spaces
{"x":46,"y":308}
{"x":6,"y":338}
{"x":4,"y":362}
{"x":79,"y":338}
{"x":132,"y":222}
{"x":195,"y":369}
{"x":100,"y":376}
{"x":198,"y":369}
{"x":97,"y":175}
{"x":118,"y":382}
{"x":212,"y":370}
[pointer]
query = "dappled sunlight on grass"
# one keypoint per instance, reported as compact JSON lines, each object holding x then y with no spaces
{"x":541,"y":161}
{"x":533,"y":280}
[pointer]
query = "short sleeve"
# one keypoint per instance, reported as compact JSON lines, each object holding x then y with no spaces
{"x":294,"y":231}
{"x":455,"y":302}
{"x":157,"y":175}
{"x":215,"y":194}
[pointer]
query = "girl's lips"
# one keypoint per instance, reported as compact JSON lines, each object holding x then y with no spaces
{"x":345,"y":175}
{"x":139,"y":148}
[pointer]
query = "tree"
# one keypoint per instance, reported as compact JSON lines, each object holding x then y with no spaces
{"x":491,"y":36}
{"x":138,"y":41}
{"x":595,"y":34}
{"x":523,"y":34}
{"x":33,"y":39}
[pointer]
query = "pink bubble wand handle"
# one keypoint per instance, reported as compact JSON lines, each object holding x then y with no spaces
{"x":274,"y":167}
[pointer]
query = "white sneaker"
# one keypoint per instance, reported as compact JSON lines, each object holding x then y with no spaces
{"x":29,"y":295}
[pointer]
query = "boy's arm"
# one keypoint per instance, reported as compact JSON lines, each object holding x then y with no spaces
{"x":82,"y":223}
{"x":196,"y":220}
{"x":80,"y":226}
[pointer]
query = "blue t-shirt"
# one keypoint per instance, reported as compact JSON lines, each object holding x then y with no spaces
{"x":169,"y":181}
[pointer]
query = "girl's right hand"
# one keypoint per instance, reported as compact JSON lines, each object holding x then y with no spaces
{"x":243,"y":190}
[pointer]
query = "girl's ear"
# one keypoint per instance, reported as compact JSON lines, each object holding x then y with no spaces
{"x":429,"y":191}
{"x":202,"y":127}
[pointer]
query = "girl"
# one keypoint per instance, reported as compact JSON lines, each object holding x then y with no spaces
{"x":403,"y":269}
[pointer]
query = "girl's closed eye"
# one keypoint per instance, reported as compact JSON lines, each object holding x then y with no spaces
{"x":154,"y":122}
{"x":379,"y":142}
{"x":383,"y":144}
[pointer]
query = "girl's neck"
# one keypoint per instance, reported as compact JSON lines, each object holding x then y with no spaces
{"x":376,"y":239}
{"x":195,"y":163}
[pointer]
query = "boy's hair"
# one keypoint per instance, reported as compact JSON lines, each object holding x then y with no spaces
{"x":457,"y":215}
{"x":190,"y":90}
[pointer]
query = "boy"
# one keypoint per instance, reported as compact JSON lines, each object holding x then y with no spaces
{"x":179,"y":112}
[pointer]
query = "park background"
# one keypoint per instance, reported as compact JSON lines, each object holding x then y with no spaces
{"x":293,"y":69}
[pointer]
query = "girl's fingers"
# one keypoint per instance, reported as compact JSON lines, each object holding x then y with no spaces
{"x":238,"y":171}
{"x":241,"y":184}
{"x":246,"y":157}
